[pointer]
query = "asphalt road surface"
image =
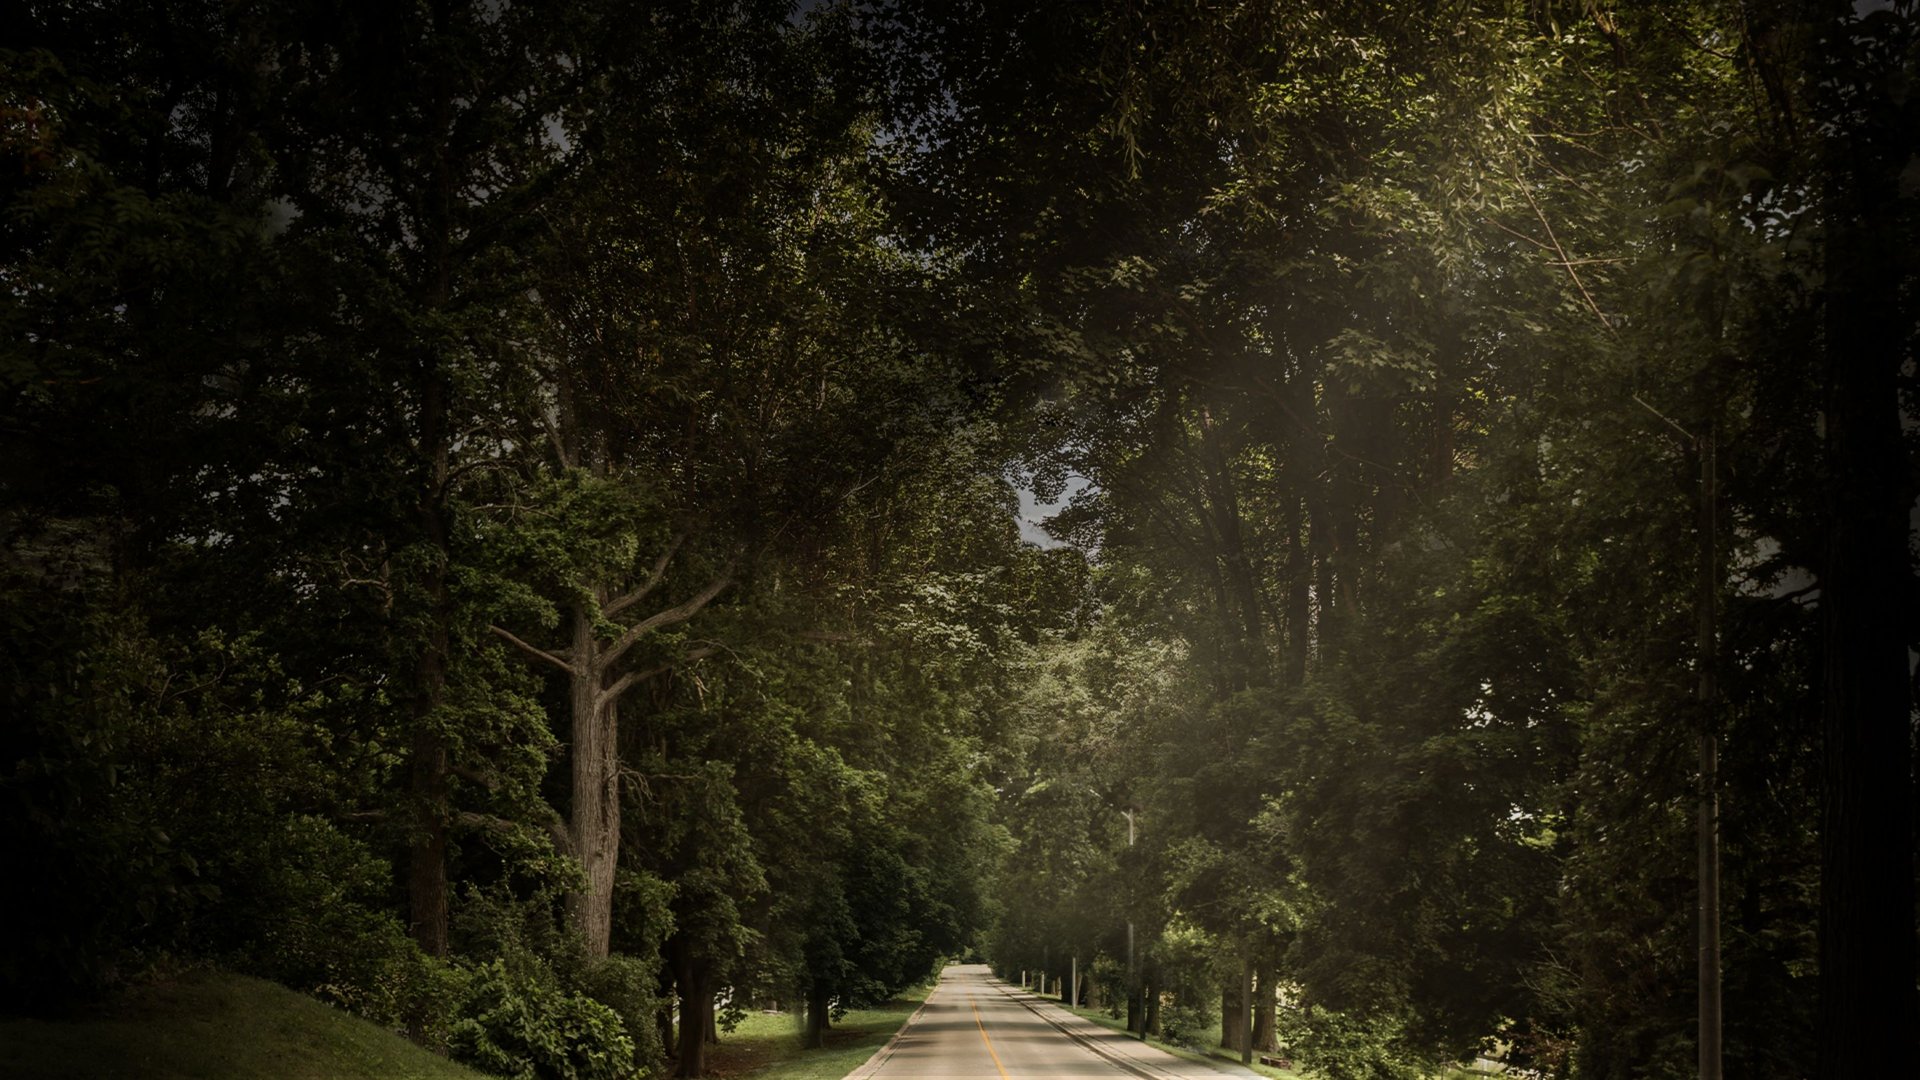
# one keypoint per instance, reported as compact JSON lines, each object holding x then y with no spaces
{"x":975,"y":1027}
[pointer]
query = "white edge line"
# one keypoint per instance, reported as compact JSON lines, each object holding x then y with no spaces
{"x":881,"y":1055}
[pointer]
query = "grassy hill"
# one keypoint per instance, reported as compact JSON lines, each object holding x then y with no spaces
{"x":215,"y":1027}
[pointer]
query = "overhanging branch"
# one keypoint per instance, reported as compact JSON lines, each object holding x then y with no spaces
{"x":533,"y":651}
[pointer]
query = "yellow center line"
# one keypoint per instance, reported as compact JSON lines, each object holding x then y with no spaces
{"x":983,"y":1036}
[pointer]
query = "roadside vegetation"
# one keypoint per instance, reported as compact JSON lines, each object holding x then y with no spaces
{"x":509,"y":527}
{"x":1493,"y":426}
{"x":216,"y":1026}
{"x":763,"y":1046}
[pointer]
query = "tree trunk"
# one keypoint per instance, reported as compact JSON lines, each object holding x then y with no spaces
{"x":1248,"y":644}
{"x":1230,"y":1013}
{"x":427,"y":853}
{"x":595,"y":825}
{"x":429,"y":767}
{"x":1241,"y":1020}
{"x":1299,"y":611}
{"x":817,"y":1018}
{"x":696,"y":1004}
{"x":1320,"y":552}
{"x":1265,"y":1039}
{"x":1153,"y":1004}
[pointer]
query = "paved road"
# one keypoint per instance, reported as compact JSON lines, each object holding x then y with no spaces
{"x":975,"y":1027}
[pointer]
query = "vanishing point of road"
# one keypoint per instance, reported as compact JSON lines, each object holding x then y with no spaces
{"x":976,"y":1027}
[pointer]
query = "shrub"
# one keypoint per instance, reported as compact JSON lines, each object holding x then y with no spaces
{"x":630,"y":987}
{"x":1185,"y":1025}
{"x":522,"y":1029}
{"x":1341,"y":1046}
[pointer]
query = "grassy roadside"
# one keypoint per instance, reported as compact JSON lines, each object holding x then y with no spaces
{"x":766,"y":1046}
{"x":1100,"y":1017}
{"x":222,"y":1026}
{"x":1220,"y":1053}
{"x":215,"y":1026}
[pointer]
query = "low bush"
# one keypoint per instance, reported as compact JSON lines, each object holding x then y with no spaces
{"x":526,"y":1030}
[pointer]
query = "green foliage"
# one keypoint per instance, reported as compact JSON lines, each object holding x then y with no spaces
{"x":384,"y":413}
{"x":629,"y":986}
{"x":1342,"y":1047}
{"x":524,"y":1029}
{"x":1185,"y":1024}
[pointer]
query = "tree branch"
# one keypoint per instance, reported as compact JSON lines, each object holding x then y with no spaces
{"x":678,"y":613}
{"x":1565,"y":261}
{"x":1668,"y":420}
{"x":654,"y":577}
{"x":559,"y":444}
{"x":486,"y":822}
{"x":555,"y":828}
{"x":475,"y":776}
{"x":534,"y":651}
{"x":630,"y":679}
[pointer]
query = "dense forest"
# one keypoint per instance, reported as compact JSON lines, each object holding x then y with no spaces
{"x":509,"y":520}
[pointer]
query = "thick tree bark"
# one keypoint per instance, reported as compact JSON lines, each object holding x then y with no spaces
{"x":594,"y":694}
{"x":595,"y":823}
{"x":1265,"y":1038}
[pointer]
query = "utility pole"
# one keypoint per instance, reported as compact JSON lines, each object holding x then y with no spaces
{"x":1708,"y":691}
{"x":1706,"y":699}
{"x":1133,"y":964}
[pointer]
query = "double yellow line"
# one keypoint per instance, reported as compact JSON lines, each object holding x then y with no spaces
{"x":983,"y":1036}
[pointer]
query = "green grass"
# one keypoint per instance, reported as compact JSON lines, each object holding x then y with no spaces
{"x":1221,"y":1053}
{"x":216,"y":1026}
{"x":766,"y":1046}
